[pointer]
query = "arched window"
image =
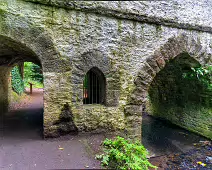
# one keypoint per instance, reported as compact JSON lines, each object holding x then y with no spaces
{"x":94,"y":87}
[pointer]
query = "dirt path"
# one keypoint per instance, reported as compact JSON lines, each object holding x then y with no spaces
{"x":34,"y":100}
{"x":22,"y":146}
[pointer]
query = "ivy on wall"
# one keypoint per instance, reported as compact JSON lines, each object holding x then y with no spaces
{"x":17,"y":82}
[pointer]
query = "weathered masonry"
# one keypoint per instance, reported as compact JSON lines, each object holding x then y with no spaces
{"x":102,"y":61}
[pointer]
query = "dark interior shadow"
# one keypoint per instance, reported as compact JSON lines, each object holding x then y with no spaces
{"x":23,"y":124}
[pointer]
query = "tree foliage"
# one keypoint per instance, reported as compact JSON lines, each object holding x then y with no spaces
{"x":201,"y":74}
{"x":125,"y":155}
{"x":33,"y":74}
{"x":37,"y":73}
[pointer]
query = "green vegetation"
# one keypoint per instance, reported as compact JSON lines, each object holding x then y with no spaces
{"x":123,"y":154}
{"x":33,"y":74}
{"x":202,"y":77}
{"x":179,"y":84}
{"x":17,"y":82}
{"x":201,"y":74}
{"x":182,"y":94}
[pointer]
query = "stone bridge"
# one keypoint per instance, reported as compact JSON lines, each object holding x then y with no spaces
{"x":129,"y":42}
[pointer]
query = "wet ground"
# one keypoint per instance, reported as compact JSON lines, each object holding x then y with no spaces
{"x":23,"y":147}
{"x":162,"y":137}
{"x":198,"y":158}
{"x":172,"y":147}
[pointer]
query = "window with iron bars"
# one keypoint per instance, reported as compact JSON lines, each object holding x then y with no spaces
{"x":94,"y":87}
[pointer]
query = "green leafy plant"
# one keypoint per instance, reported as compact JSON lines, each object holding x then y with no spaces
{"x":201,"y":74}
{"x":124,"y":154}
{"x":17,"y":82}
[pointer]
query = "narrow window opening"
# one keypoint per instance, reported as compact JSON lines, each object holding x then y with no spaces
{"x":94,"y":87}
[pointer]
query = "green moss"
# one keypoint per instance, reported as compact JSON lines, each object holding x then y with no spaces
{"x":158,"y":28}
{"x":119,"y":26}
{"x":3,"y":27}
{"x":15,"y":98}
{"x":2,"y":12}
{"x":115,"y":53}
{"x":3,"y":5}
{"x":77,"y":17}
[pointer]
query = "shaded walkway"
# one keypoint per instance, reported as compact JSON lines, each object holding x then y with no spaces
{"x":22,"y":146}
{"x":25,"y":119}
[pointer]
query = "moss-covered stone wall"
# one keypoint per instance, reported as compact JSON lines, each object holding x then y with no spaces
{"x":181,"y":100}
{"x":129,"y":50}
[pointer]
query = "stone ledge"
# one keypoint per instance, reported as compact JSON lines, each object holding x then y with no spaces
{"x":118,"y":12}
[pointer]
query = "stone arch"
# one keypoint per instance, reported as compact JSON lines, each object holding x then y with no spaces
{"x":35,"y":42}
{"x":12,"y":52}
{"x":154,"y":64}
{"x":35,"y":38}
{"x":88,"y":60}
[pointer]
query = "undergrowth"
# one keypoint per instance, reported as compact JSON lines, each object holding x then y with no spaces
{"x":124,"y":154}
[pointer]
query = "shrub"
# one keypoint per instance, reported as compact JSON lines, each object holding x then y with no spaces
{"x":123,"y":154}
{"x":202,"y":75}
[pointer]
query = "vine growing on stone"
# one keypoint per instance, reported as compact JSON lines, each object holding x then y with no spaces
{"x":17,"y":81}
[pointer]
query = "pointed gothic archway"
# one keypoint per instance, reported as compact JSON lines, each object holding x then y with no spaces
{"x":174,"y":48}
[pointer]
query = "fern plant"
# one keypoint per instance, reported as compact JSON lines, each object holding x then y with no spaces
{"x":123,"y":154}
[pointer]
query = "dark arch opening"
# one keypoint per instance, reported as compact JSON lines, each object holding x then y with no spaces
{"x":180,"y":100}
{"x":169,"y":88}
{"x":94,"y":87}
{"x":18,"y":122}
